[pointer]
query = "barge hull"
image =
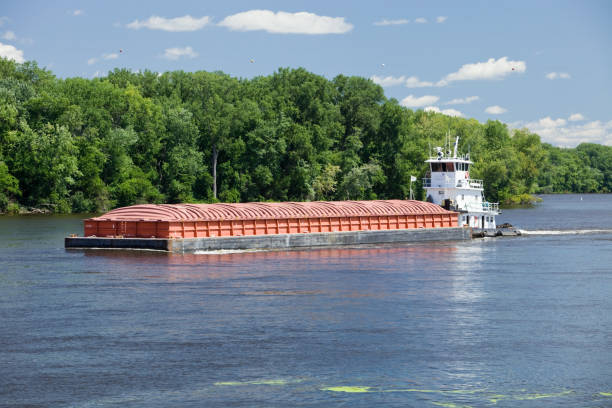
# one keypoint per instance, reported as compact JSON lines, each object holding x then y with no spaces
{"x":273,"y":241}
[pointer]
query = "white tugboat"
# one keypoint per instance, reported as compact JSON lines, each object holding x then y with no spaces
{"x":448,"y":184}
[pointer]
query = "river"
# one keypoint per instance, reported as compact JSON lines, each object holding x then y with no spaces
{"x":505,"y":322}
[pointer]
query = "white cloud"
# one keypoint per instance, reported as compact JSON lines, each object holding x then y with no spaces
{"x":420,"y":20}
{"x":414,"y":82}
{"x":575,"y":117}
{"x":78,"y":12}
{"x":447,"y":112}
{"x":558,"y":75}
{"x":109,"y":56}
{"x":386,"y":22}
{"x":9,"y":35}
{"x":558,"y":132}
{"x":548,"y":122}
{"x":451,"y":112}
{"x":176,"y":53}
{"x":10,"y":52}
{"x":185,"y":23}
{"x":388,"y":81}
{"x":495,"y":110}
{"x":416,"y":102}
{"x":408,"y":82}
{"x":286,"y":23}
{"x":441,"y":19}
{"x":462,"y":101}
{"x":491,"y":69}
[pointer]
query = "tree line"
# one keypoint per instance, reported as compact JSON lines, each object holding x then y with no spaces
{"x":89,"y":145}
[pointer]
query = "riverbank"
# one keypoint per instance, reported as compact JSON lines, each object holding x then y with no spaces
{"x":521,"y":200}
{"x":15,"y":209}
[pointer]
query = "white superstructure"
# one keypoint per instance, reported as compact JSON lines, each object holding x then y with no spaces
{"x":449,"y":185}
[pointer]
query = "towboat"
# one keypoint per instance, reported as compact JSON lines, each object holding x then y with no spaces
{"x":448,"y":184}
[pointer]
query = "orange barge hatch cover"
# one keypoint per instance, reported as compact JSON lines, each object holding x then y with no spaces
{"x":225,"y":220}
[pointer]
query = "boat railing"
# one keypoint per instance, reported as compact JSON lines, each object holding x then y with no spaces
{"x":446,"y":157}
{"x":481,"y":207}
{"x":490,"y":207}
{"x":470,"y":183}
{"x":462,"y":183}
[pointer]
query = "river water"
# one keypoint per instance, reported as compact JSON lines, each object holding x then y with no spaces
{"x":512,"y":322}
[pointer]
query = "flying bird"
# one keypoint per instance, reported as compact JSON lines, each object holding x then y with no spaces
{"x":252,"y":61}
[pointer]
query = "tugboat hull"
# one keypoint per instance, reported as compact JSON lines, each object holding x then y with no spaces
{"x":495,"y":232}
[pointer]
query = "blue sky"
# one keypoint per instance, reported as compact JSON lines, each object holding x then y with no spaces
{"x":544,"y":65}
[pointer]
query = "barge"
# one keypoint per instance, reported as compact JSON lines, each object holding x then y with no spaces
{"x":184,"y":228}
{"x":455,"y":210}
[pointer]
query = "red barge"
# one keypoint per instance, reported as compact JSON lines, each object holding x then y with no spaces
{"x":262,"y":225}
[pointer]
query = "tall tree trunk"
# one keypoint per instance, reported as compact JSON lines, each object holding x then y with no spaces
{"x":215,"y":154}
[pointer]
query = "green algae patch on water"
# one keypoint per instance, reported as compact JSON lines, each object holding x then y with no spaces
{"x":350,"y":389}
{"x":362,"y":389}
{"x":450,"y":405}
{"x":425,"y":391}
{"x":497,"y":397}
{"x":540,"y":396}
{"x":606,"y":394}
{"x":414,"y":390}
{"x":254,"y":382}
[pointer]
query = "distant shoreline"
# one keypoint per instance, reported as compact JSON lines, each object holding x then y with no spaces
{"x":35,"y":211}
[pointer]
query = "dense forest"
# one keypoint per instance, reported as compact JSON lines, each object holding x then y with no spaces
{"x":88,"y":145}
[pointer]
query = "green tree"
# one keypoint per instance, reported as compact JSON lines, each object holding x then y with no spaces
{"x":81,"y":144}
{"x":9,"y":186}
{"x":45,"y":163}
{"x":358,"y":183}
{"x":325,"y":183}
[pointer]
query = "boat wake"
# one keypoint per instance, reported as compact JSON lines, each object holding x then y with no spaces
{"x":565,"y":232}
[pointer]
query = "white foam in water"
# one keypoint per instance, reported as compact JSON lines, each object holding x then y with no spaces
{"x":565,"y":232}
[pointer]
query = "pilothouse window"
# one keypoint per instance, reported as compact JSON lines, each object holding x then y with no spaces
{"x":442,"y":167}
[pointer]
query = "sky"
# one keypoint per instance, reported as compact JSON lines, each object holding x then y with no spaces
{"x":543,"y":65}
